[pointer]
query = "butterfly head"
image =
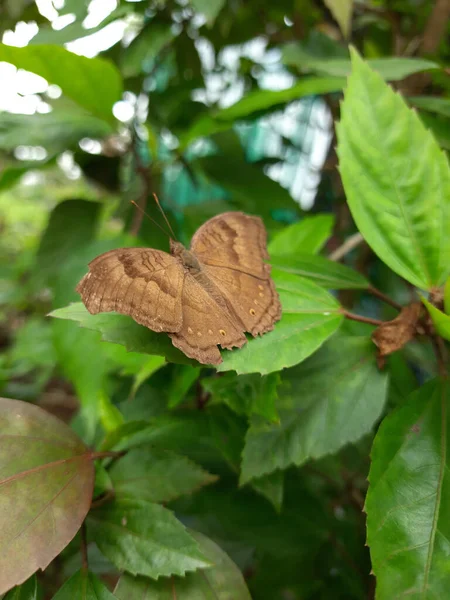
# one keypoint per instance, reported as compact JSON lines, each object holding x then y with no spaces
{"x":185,"y":256}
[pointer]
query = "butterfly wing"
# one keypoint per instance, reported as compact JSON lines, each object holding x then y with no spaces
{"x":206,"y":323}
{"x":232,"y":249}
{"x":143,"y":283}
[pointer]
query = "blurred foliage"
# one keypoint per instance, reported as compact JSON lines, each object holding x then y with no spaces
{"x":218,"y":106}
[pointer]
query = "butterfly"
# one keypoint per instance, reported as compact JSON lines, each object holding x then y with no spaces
{"x":204,"y":297}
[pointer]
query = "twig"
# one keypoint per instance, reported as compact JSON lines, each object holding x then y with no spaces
{"x":361,"y":319}
{"x":379,"y":294}
{"x":84,"y":553}
{"x":350,"y":243}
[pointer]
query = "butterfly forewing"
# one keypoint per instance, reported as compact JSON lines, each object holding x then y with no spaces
{"x":232,"y":248}
{"x":235,"y":241}
{"x":141,"y":282}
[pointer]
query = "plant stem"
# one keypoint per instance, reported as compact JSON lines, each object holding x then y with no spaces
{"x":379,"y":294}
{"x":350,"y":243}
{"x":362,"y":319}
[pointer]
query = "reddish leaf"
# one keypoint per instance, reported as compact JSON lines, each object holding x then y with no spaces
{"x":46,"y":483}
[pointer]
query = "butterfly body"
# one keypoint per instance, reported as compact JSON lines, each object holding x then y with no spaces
{"x":208,"y":295}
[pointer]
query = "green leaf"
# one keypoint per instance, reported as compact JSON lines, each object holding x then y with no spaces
{"x":261,"y":100}
{"x":152,"y":475}
{"x":75,"y":30}
{"x":308,"y":236}
{"x":247,"y":184}
{"x":335,"y":398}
{"x":342,"y":12}
{"x":396,"y":179}
{"x":72,"y":224}
{"x":150,"y":366}
{"x":56,"y":131}
{"x":84,"y":585}
{"x":390,"y":68}
{"x":121,"y":329}
{"x":257,"y":102}
{"x":183,"y":379}
{"x":435,"y":104}
{"x":310,"y":316}
{"x":408,"y":520}
{"x":271,"y":487}
{"x":29,"y":590}
{"x":324,"y":272}
{"x":246,"y":394}
{"x":223,"y":581}
{"x":144,"y":48}
{"x":447,"y":296}
{"x":46,"y":483}
{"x":439,"y":127}
{"x":209,"y":8}
{"x":441,"y":321}
{"x":110,"y":415}
{"x":144,"y":539}
{"x":93,"y":83}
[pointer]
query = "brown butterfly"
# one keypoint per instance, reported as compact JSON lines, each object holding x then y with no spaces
{"x":202,"y":297}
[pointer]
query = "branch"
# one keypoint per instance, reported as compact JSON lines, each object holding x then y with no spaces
{"x":379,"y":294}
{"x":361,"y":318}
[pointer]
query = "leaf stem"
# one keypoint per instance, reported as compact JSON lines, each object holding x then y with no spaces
{"x":361,"y":318}
{"x":350,"y":243}
{"x":84,"y":553}
{"x":108,"y":454}
{"x":379,"y":294}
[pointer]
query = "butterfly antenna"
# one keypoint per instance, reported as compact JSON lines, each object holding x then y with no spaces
{"x":164,"y":215}
{"x":149,"y":217}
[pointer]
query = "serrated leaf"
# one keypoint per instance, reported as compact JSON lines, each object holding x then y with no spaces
{"x":310,"y":316}
{"x":46,"y":483}
{"x":84,"y":585}
{"x":336,"y":397}
{"x":271,"y":487}
{"x":408,"y":521}
{"x":29,"y":590}
{"x":154,"y":475}
{"x":391,"y":68}
{"x":324,"y":272}
{"x":396,"y":179}
{"x":121,"y":329}
{"x":441,"y":321}
{"x":223,"y":581}
{"x":342,"y":12}
{"x":93,"y":83}
{"x":307,"y":236}
{"x":183,"y":379}
{"x":245,"y":394}
{"x":144,"y":539}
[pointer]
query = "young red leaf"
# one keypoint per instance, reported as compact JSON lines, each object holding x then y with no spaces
{"x":46,"y":483}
